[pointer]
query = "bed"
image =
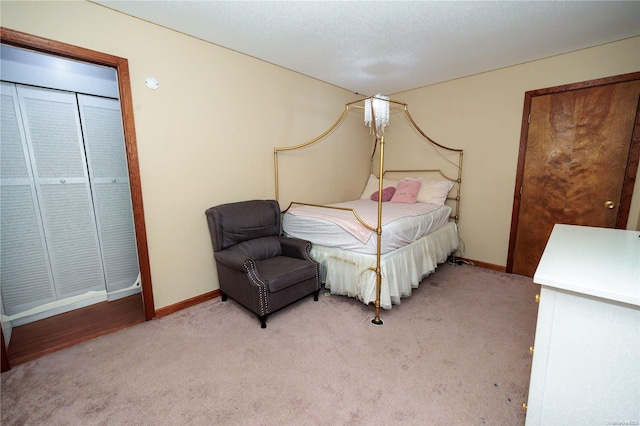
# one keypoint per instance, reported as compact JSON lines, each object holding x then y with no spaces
{"x":379,"y":247}
{"x":416,"y":238}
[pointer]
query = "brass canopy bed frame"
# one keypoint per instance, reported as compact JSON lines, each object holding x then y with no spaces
{"x":377,"y":121}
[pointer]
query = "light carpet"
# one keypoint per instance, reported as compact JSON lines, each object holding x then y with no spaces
{"x":454,"y":353}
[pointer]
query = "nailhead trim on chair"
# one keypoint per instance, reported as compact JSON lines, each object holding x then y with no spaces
{"x":262,"y":286}
{"x":307,"y":255}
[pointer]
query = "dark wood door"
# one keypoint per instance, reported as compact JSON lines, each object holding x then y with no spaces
{"x":576,"y":165}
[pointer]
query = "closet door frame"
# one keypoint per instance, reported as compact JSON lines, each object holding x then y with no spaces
{"x":121,"y":65}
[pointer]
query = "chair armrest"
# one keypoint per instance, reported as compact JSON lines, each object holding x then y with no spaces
{"x":295,"y":247}
{"x":232,"y":259}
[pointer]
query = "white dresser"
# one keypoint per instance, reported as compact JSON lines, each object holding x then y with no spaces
{"x":586,"y":360}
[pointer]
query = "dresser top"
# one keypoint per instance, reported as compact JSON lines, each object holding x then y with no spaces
{"x":599,"y":262}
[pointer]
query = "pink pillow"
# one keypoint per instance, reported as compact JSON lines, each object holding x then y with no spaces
{"x":387,"y":194}
{"x":406,"y":191}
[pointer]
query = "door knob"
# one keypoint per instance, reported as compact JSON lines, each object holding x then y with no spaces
{"x":609,"y":204}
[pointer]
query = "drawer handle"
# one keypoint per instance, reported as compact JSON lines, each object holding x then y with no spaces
{"x":524,"y":406}
{"x":537,"y":298}
{"x":531,"y":349}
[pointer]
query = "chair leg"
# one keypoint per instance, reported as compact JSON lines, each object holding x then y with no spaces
{"x":263,"y":320}
{"x":223,"y":296}
{"x":315,"y":294}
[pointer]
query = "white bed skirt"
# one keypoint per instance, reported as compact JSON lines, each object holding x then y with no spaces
{"x":348,"y":274}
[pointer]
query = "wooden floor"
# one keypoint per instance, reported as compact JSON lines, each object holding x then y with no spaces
{"x":33,"y":340}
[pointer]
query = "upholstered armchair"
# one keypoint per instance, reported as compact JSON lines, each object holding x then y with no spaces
{"x":257,"y":267}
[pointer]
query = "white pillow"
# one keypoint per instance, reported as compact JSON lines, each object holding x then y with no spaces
{"x":434,"y":191}
{"x":372,"y":186}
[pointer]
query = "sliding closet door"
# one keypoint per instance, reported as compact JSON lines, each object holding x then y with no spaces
{"x":24,"y":263}
{"x":106,"y":157}
{"x":53,"y":134}
{"x":66,"y":218}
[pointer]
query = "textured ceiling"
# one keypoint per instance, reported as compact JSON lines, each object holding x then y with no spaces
{"x":393,"y":46}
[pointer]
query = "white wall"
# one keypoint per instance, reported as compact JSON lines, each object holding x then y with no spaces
{"x":206,"y":135}
{"x":482,"y":114}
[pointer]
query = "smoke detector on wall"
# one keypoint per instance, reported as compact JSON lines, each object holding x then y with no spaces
{"x":151,"y":83}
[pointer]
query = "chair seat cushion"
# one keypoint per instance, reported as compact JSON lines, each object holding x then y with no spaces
{"x":281,"y":271}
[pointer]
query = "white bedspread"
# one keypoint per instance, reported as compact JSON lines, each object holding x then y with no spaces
{"x":347,"y":273}
{"x":402,"y":224}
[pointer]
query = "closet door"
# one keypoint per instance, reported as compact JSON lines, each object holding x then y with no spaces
{"x":106,"y":157}
{"x":52,"y":128}
{"x":24,"y":263}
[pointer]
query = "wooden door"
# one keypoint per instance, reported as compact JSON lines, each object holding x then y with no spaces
{"x":576,"y":167}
